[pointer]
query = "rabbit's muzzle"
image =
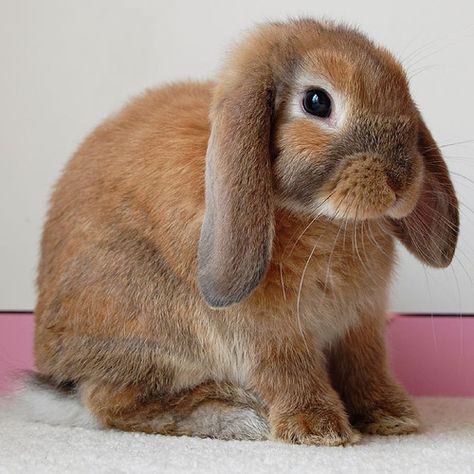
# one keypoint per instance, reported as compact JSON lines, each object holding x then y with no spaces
{"x":370,"y":186}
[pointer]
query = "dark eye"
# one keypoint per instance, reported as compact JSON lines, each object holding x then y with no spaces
{"x":317,"y":102}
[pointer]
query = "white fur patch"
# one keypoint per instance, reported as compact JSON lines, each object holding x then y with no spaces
{"x":35,"y":403}
{"x":31,"y":402}
{"x":226,"y":423}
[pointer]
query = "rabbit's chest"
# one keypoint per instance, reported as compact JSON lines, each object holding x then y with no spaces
{"x":328,"y":283}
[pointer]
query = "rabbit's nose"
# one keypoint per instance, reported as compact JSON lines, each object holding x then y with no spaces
{"x":398,"y":169}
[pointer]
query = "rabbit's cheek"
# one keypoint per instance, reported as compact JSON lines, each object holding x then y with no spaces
{"x":301,"y":170}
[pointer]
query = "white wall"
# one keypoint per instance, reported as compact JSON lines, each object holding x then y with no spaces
{"x":65,"y":65}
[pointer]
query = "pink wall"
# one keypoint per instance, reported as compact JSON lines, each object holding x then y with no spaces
{"x":16,"y":344}
{"x":431,"y":356}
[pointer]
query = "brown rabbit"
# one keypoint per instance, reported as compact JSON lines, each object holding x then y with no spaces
{"x":217,"y":255}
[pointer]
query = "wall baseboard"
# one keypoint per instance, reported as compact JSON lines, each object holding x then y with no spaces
{"x":429,"y":355}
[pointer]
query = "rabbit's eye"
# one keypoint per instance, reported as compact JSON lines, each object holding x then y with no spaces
{"x":317,"y":102}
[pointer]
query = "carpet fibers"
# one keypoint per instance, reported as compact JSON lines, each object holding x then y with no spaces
{"x":446,"y":445}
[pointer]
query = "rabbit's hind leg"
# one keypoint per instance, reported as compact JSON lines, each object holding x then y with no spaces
{"x":215,"y":410}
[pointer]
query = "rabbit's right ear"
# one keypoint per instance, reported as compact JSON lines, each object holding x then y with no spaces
{"x":237,"y":233}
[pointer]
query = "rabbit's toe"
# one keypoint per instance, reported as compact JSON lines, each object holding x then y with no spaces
{"x":324,"y":429}
{"x":380,"y":422}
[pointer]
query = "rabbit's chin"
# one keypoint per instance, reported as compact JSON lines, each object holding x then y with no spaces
{"x":365,"y":207}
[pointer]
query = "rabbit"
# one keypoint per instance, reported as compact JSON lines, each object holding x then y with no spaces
{"x":217,"y":255}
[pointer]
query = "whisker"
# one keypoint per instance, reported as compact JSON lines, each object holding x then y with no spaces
{"x":284,"y":256}
{"x":448,"y":224}
{"x":460,"y":157}
{"x":355,"y":235}
{"x":421,"y":70}
{"x":424,"y":227}
{"x":364,"y":261}
{"x":298,"y":299}
{"x":417,"y":52}
{"x":282,"y":282}
{"x":310,"y":224}
{"x":433,"y":330}
{"x":446,"y":145}
{"x":462,"y":176}
{"x":430,"y":294}
{"x":373,"y":239}
{"x":328,"y":267}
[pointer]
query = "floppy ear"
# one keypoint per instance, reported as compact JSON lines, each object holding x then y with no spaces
{"x":430,"y":232}
{"x":237,"y":232}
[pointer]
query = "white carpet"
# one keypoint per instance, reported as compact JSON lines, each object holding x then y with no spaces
{"x":445,"y":446}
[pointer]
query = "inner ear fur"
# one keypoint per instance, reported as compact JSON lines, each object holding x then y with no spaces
{"x":430,"y":232}
{"x":237,"y":233}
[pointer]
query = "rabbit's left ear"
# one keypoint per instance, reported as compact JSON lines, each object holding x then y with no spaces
{"x":237,"y":232}
{"x":430,"y":232}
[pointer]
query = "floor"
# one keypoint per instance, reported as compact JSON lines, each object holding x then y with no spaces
{"x":446,"y":445}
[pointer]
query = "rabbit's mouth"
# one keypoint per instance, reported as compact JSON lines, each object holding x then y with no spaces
{"x":364,"y":190}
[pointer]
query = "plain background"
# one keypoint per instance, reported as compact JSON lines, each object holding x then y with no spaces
{"x":66,"y":65}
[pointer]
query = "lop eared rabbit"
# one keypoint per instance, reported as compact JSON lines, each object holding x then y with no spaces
{"x":216,"y":257}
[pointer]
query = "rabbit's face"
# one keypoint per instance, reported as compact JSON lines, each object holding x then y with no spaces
{"x":315,"y":118}
{"x":346,"y":137}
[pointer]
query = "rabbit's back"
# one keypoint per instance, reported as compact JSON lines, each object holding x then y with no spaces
{"x":122,"y":232}
{"x":144,"y":163}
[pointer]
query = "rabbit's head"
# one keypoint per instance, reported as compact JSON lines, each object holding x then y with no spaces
{"x":315,"y":118}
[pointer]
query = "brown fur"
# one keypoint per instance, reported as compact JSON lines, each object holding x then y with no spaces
{"x":122,"y":306}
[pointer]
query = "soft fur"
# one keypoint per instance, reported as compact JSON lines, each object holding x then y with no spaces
{"x":215,"y":257}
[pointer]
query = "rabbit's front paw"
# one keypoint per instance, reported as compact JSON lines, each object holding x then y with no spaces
{"x":319,"y":427}
{"x":393,"y":414}
{"x":387,"y":410}
{"x":383,"y":422}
